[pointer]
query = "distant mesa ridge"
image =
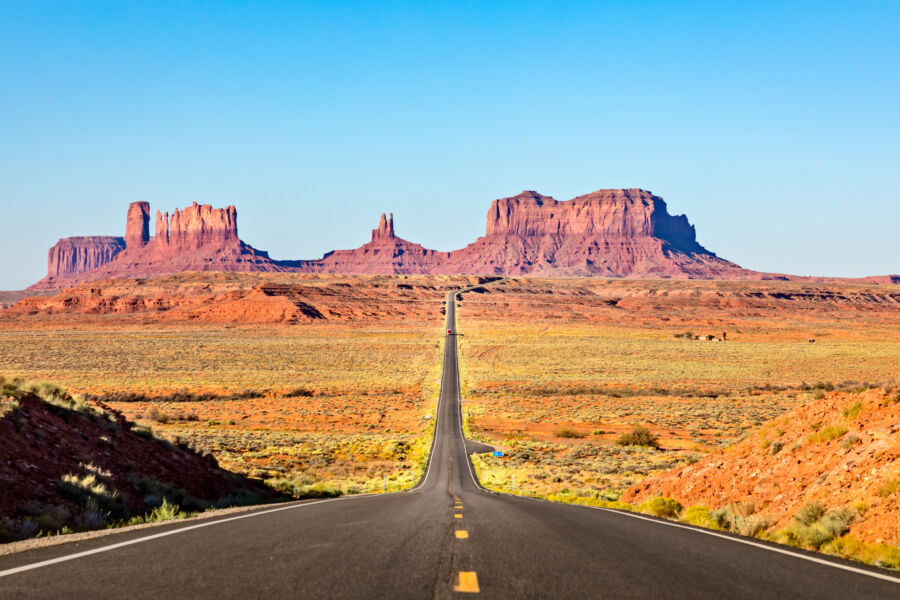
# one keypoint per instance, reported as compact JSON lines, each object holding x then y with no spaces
{"x":609,"y":233}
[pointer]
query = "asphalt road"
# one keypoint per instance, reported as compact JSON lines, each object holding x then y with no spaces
{"x":447,"y":538}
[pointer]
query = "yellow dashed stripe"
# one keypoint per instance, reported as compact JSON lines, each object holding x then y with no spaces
{"x":468,"y":582}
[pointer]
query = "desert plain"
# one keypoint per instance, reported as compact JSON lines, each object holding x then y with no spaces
{"x":326,"y":384}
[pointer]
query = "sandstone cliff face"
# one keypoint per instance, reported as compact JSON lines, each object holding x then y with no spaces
{"x":74,"y":255}
{"x":607,"y":213}
{"x":614,"y":233}
{"x":609,"y":233}
{"x":196,"y":226}
{"x":137,"y":226}
{"x":197,"y":238}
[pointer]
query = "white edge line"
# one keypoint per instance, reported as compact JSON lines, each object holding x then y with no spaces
{"x":68,"y":557}
{"x":740,"y":540}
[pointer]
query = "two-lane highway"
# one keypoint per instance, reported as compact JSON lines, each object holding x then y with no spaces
{"x":446,"y":538}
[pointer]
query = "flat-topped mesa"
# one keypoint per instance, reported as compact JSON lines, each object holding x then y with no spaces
{"x":79,"y":254}
{"x":196,"y":226}
{"x":137,"y":227}
{"x":608,"y":214}
{"x":385,"y":230}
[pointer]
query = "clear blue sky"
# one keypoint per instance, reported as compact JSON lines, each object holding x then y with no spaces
{"x":776,"y":130}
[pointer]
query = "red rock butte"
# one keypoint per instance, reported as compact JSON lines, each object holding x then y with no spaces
{"x":608,"y":233}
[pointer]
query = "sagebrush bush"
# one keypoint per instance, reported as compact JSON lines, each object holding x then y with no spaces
{"x":639,"y":436}
{"x":662,"y":507}
{"x":814,"y":526}
{"x":810,"y":513}
{"x":741,"y":518}
{"x":700,"y":516}
{"x":568,"y":432}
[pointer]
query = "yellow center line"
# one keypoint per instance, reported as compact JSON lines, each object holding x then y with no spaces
{"x":468,"y":582}
{"x":462,"y":534}
{"x":457,"y":516}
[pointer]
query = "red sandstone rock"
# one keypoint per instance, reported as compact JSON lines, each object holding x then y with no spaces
{"x":198,"y":238}
{"x":617,"y":233}
{"x":137,"y":227}
{"x":385,"y":228}
{"x":79,"y":254}
{"x":611,"y":233}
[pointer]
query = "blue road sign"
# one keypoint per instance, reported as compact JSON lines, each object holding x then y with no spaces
{"x":497,"y":453}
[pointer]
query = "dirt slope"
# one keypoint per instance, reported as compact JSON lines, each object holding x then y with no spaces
{"x":114,"y":470}
{"x":840,"y":451}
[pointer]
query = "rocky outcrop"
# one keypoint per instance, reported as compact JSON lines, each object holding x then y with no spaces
{"x":614,"y":233}
{"x":385,"y":254}
{"x":608,"y":233}
{"x":137,"y":226}
{"x":196,"y":226}
{"x":385,"y":230}
{"x":74,"y":255}
{"x":840,"y":450}
{"x":610,"y":214}
{"x":197,"y":238}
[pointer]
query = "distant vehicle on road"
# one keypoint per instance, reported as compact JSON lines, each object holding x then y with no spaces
{"x":449,"y":332}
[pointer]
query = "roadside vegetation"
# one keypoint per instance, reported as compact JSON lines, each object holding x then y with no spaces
{"x":589,"y":397}
{"x":68,"y":465}
{"x":318,"y":412}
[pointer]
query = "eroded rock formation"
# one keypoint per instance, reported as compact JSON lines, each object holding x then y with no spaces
{"x":75,"y":255}
{"x":611,"y":233}
{"x":197,"y":238}
{"x":137,"y":226}
{"x":614,"y":233}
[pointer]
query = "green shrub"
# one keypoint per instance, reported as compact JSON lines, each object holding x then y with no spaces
{"x":164,"y":512}
{"x":7,"y":407}
{"x":741,"y":518}
{"x":849,"y":441}
{"x":639,"y":436}
{"x":93,"y":492}
{"x":889,"y":487}
{"x":814,"y":527}
{"x":568,"y":432}
{"x":298,"y":393}
{"x":828,"y":433}
{"x":810,"y":513}
{"x":144,"y":431}
{"x":662,"y":507}
{"x":852,"y":411}
{"x":847,"y":546}
{"x":700,"y":516}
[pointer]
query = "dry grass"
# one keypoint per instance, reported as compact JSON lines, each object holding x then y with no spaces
{"x":317,"y":409}
{"x":595,"y":358}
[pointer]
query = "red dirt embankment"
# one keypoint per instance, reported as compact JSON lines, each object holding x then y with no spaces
{"x":44,"y":442}
{"x":239,"y":298}
{"x":840,"y":451}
